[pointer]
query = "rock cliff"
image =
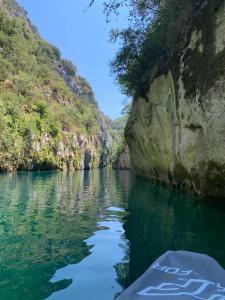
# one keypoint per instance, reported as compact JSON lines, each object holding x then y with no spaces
{"x":176,"y":133}
{"x":120,"y":157}
{"x":49,"y":118}
{"x":122,"y":160}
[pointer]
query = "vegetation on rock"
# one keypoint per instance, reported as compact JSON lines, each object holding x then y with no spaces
{"x":154,"y":29}
{"x":175,"y":130}
{"x":44,"y":123}
{"x":120,"y":151}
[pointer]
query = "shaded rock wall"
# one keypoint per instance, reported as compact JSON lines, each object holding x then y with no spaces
{"x":177,"y":134}
{"x":122,"y":161}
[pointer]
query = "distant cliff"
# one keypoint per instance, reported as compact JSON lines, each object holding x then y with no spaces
{"x":176,"y":131}
{"x":120,"y":152}
{"x":49,"y":118}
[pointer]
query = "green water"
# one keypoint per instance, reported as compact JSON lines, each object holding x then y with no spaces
{"x":88,"y":235}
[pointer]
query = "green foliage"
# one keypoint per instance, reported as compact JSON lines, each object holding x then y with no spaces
{"x":46,"y":52}
{"x":38,"y":112}
{"x":7,"y":25}
{"x":5,"y":68}
{"x":69,"y":67}
{"x":149,"y":39}
{"x":118,"y":126}
{"x":23,"y":84}
{"x":120,"y":123}
{"x":41,"y":108}
{"x":45,"y":159}
{"x":54,"y":130}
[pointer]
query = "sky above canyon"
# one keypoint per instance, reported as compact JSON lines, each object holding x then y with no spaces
{"x":82,"y":36}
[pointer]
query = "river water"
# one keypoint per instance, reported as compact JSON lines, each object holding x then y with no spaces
{"x":90,"y":234}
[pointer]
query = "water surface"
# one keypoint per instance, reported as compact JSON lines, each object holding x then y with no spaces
{"x":88,"y":235}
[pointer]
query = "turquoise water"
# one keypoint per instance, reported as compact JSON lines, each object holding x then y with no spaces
{"x":88,"y":235}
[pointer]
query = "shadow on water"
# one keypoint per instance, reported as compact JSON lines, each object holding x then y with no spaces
{"x":88,"y":235}
{"x":160,"y":219}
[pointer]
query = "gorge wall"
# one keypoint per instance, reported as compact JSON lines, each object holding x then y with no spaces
{"x":176,"y":134}
{"x":49,"y":118}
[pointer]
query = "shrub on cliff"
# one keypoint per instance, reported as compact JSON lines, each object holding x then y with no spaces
{"x":69,"y":67}
{"x":148,"y":40}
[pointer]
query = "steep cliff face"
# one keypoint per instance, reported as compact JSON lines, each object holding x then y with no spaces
{"x":120,"y":152}
{"x":122,"y":159}
{"x":177,"y":134}
{"x":49,"y":118}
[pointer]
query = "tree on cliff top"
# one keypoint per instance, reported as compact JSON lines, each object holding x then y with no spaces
{"x":148,"y":40}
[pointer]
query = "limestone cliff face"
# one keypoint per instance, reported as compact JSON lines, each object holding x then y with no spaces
{"x":122,"y":161}
{"x":177,"y":134}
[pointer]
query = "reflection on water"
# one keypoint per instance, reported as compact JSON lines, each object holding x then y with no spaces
{"x":160,"y":219}
{"x":95,"y":274}
{"x":88,"y":235}
{"x":61,"y":232}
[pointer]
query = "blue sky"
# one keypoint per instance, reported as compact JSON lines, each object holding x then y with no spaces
{"x":83,"y":38}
